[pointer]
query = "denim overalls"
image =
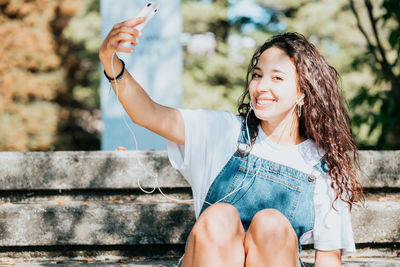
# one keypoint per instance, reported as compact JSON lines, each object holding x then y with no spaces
{"x":267,"y":185}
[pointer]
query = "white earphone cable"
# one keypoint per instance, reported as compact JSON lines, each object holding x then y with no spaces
{"x":155,"y":176}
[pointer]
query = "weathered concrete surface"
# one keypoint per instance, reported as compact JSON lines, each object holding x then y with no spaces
{"x":364,"y":257}
{"x":134,"y":223}
{"x":367,"y":262}
{"x":74,"y":170}
{"x":112,"y":255}
{"x":94,"y":224}
{"x":380,"y":169}
{"x":91,"y":262}
{"x":103,"y":218}
{"x":308,"y":254}
{"x":123,"y":169}
{"x":377,"y":222}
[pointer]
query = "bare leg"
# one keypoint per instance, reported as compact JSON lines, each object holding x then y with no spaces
{"x":216,"y":239}
{"x":271,"y":241}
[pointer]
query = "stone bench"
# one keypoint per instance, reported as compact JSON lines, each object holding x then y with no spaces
{"x":86,"y":208}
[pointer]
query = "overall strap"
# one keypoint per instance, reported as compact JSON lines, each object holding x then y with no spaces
{"x":243,"y":134}
{"x":321,"y":167}
{"x":243,"y":143}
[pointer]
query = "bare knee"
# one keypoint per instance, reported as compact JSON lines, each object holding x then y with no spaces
{"x":219,"y":224}
{"x":270,"y":227}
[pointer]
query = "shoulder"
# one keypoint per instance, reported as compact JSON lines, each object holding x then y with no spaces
{"x":209,"y":125}
{"x":324,"y":200}
{"x":207,"y":115}
{"x":311,"y":152}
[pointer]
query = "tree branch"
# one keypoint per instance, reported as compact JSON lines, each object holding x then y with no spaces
{"x":384,"y":62}
{"x":395,"y":84}
{"x":371,"y":47}
{"x":387,"y":72}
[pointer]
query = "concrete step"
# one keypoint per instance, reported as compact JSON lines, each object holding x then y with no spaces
{"x":89,"y":262}
{"x":123,"y":169}
{"x":52,"y":205}
{"x":365,"y":262}
{"x":80,"y":223}
{"x":63,"y":222}
{"x":160,"y":256}
{"x":382,"y":257}
{"x":87,"y":170}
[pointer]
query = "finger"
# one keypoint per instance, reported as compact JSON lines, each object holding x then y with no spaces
{"x":121,"y":37}
{"x":123,"y":34}
{"x":121,"y":28}
{"x":133,"y":22}
{"x":124,"y":49}
{"x":129,"y":23}
{"x":130,"y":30}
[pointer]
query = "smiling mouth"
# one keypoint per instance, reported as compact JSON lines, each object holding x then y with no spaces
{"x":264,"y":101}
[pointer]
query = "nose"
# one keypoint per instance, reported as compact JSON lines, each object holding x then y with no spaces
{"x":263,"y":85}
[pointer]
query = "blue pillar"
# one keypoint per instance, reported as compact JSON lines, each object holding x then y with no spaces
{"x":157,"y":64}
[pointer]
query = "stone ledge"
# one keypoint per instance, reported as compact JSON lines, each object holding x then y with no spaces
{"x":77,"y":223}
{"x":122,"y":169}
{"x":86,"y":170}
{"x":377,"y":222}
{"x":365,"y":262}
{"x":94,"y":224}
{"x":380,"y":169}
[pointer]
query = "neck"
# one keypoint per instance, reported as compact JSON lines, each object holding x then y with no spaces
{"x":284,"y":131}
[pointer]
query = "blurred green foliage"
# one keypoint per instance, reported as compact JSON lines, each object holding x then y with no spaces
{"x":49,"y":75}
{"x":80,"y":42}
{"x":216,"y":82}
{"x":379,"y":109}
{"x":50,"y":81}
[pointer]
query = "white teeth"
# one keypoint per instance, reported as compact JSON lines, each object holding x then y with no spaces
{"x":264,"y":101}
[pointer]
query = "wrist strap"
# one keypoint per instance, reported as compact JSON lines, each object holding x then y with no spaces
{"x":119,"y":75}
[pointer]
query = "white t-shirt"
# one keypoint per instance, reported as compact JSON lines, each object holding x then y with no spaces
{"x":210,"y":141}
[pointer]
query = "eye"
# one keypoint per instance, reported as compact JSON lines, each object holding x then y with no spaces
{"x":277,"y":78}
{"x":255,"y":76}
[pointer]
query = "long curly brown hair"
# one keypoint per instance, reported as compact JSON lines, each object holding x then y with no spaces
{"x":323,"y":116}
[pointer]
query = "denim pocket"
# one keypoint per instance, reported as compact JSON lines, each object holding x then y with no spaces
{"x":264,"y":191}
{"x":281,"y":179}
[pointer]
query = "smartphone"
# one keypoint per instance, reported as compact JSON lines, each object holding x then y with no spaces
{"x":148,"y":11}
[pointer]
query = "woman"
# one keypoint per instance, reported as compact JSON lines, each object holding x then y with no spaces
{"x":274,"y":177}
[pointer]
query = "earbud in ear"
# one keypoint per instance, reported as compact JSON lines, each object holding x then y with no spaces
{"x":301,"y":97}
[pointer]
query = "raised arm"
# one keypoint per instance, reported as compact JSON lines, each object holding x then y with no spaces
{"x":162,"y":120}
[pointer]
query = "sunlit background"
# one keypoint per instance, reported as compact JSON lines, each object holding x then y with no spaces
{"x":50,"y":71}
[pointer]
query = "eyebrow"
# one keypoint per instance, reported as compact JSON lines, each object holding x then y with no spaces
{"x":278,"y":70}
{"x":274,"y":70}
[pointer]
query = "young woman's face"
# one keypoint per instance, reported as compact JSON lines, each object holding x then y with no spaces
{"x":273,"y":88}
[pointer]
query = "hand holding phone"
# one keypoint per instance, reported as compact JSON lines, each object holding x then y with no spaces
{"x":147,"y":12}
{"x":124,"y":34}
